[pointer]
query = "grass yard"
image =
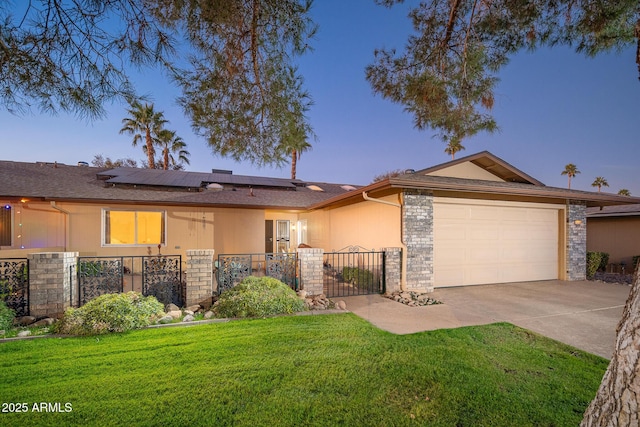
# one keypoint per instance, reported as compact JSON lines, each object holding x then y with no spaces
{"x":326,"y":370}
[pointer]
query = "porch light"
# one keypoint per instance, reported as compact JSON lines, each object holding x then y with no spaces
{"x":577,"y":222}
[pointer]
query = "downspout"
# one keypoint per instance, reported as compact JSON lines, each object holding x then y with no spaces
{"x":403,"y":255}
{"x":66,"y":222}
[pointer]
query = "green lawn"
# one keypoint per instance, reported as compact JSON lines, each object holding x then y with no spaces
{"x":324,"y":370}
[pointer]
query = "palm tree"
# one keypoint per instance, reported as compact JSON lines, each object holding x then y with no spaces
{"x":624,"y":192}
{"x":571,"y":171}
{"x":143,"y":123}
{"x":599,"y":182}
{"x":453,"y":147}
{"x":171,"y":143}
{"x":296,"y":151}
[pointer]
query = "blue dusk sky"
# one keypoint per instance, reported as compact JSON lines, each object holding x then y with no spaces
{"x":553,"y":107}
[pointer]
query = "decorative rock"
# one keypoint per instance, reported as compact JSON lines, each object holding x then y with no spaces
{"x":412,"y":299}
{"x":302,"y":294}
{"x":188,"y":318}
{"x":189,"y":313}
{"x":172,"y":307}
{"x":194,"y":308}
{"x":44,"y":322}
{"x":341,"y":305}
{"x":23,"y":334}
{"x":165,"y":319}
{"x":24,"y":320}
{"x":175,"y":314}
{"x":208,"y":315}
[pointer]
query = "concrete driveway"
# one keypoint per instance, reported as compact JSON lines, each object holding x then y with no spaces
{"x":582,"y":314}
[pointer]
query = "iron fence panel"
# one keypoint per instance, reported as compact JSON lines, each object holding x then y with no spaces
{"x":353,"y":271}
{"x":14,"y":284}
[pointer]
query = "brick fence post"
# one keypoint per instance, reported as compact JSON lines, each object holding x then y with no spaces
{"x":393,"y":269}
{"x":576,"y":241}
{"x":199,"y":285}
{"x":311,"y":271}
{"x":50,"y":282}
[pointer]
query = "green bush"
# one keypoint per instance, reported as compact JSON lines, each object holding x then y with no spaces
{"x":604,"y":261}
{"x":6,"y":317}
{"x":593,"y":262}
{"x":358,"y":276}
{"x":258,"y":297}
{"x":111,"y":313}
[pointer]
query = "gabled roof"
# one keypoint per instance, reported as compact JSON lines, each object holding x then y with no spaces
{"x":614,"y":211}
{"x":492,"y":164}
{"x":59,"y":182}
{"x":517,"y":185}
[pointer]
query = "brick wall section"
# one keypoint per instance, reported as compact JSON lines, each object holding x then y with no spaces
{"x":200,"y":283}
{"x":393,"y":269}
{"x":50,"y":275}
{"x":576,"y":241}
{"x":311,"y":270}
{"x":417,"y":235}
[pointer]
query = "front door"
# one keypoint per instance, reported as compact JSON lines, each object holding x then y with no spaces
{"x":268,"y":236}
{"x":282,"y":236}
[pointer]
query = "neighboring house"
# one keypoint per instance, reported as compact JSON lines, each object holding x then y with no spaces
{"x":474,"y":220}
{"x":616,"y":231}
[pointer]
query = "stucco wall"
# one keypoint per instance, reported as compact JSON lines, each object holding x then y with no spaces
{"x":368,"y":224}
{"x":619,"y":237}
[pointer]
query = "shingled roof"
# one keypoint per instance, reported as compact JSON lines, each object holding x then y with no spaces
{"x":59,"y":182}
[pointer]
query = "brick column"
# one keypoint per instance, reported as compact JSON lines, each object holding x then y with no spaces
{"x":393,"y":269}
{"x":311,"y":271}
{"x":576,"y":240}
{"x":417,"y":234}
{"x":199,"y":276}
{"x":50,"y":282}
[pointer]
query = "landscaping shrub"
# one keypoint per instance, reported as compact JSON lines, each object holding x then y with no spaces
{"x":604,"y":261}
{"x":111,"y":313}
{"x":258,"y":297}
{"x":6,"y":317}
{"x":358,"y":276}
{"x":593,"y":262}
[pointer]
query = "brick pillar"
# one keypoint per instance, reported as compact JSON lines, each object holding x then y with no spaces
{"x":576,"y":240}
{"x":311,"y":271}
{"x":417,"y":234}
{"x":393,"y":269}
{"x":199,"y":276}
{"x":50,"y":282}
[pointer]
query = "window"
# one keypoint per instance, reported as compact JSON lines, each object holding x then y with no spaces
{"x":5,"y":225}
{"x":134,"y":227}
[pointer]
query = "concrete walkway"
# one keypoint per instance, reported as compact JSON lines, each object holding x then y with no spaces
{"x":582,"y":314}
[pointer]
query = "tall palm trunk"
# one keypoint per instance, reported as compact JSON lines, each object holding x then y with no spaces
{"x":150,"y":151}
{"x":294,"y":161}
{"x":166,"y":158}
{"x":569,"y":182}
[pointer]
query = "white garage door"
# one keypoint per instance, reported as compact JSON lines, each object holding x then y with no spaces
{"x":494,"y":242}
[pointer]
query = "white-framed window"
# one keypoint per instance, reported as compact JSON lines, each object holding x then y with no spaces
{"x":133,"y":228}
{"x":302,"y":231}
{"x":282,"y":236}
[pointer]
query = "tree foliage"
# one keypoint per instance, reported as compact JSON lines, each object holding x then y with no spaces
{"x":447,"y":74}
{"x":101,"y":162}
{"x":145,"y":124}
{"x":236,"y":69}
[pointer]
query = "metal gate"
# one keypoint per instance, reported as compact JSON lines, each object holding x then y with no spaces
{"x":14,"y":284}
{"x":231,"y":269}
{"x":159,"y":276}
{"x":354,"y":271}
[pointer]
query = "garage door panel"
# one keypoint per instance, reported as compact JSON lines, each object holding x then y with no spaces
{"x":494,"y":244}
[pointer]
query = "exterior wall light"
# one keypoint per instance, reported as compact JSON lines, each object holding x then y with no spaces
{"x":577,"y":222}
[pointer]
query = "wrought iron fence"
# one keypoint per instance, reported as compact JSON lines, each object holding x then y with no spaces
{"x":159,"y":275}
{"x":14,"y":284}
{"x":231,"y":269}
{"x":353,"y":271}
